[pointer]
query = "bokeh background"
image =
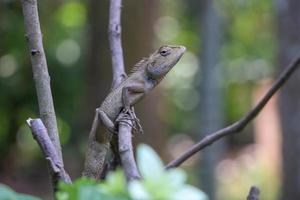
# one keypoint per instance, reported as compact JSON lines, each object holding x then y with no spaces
{"x":235,"y":49}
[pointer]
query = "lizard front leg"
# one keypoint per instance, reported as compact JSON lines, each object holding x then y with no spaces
{"x":130,"y":95}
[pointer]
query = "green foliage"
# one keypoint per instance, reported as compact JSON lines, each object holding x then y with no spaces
{"x":72,"y":14}
{"x":157,"y":183}
{"x":84,"y":188}
{"x":8,"y":194}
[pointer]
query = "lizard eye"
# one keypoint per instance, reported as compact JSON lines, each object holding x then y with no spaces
{"x":164,"y":52}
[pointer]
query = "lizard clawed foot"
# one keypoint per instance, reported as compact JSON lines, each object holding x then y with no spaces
{"x":128,"y":114}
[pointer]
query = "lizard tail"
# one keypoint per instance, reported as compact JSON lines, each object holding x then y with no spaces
{"x":95,"y":158}
{"x":96,"y":153}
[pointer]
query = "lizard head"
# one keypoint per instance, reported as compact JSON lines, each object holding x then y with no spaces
{"x":163,"y":60}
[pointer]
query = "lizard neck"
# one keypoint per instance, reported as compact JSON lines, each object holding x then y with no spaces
{"x":151,"y":80}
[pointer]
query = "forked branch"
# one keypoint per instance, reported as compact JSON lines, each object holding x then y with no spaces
{"x":40,"y":71}
{"x":241,"y":124}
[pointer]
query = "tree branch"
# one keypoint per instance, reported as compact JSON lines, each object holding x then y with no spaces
{"x":253,"y":193}
{"x":126,"y":150}
{"x":56,"y":166}
{"x":241,"y":124}
{"x":114,"y":34}
{"x":40,"y":71}
{"x":125,"y":126}
{"x":97,"y":149}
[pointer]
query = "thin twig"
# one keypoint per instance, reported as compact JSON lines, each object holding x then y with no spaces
{"x":253,"y":193}
{"x":126,"y":150}
{"x":56,"y":166}
{"x":40,"y":71}
{"x":114,"y":34}
{"x":241,"y":124}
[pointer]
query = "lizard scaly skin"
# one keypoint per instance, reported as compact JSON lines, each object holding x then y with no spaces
{"x":144,"y":77}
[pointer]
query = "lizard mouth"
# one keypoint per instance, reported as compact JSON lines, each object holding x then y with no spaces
{"x":180,"y":53}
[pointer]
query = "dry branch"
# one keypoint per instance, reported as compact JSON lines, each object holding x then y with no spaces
{"x":40,"y":71}
{"x":126,"y":150}
{"x":125,"y":130}
{"x":253,"y":193}
{"x":114,"y":34}
{"x":56,"y":166}
{"x":241,"y":124}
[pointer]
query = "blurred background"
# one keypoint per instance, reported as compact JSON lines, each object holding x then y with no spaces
{"x":235,"y":49}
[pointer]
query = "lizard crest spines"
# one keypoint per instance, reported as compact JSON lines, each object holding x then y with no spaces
{"x":139,"y":65}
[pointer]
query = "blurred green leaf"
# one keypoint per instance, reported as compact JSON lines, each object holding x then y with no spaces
{"x":157,"y":183}
{"x":7,"y":193}
{"x":150,"y":165}
{"x":72,"y":14}
{"x":155,"y":176}
{"x":138,"y":191}
{"x":115,"y":184}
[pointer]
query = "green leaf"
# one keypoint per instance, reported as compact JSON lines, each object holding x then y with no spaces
{"x":90,"y":192}
{"x":114,"y":188}
{"x":7,"y":193}
{"x":176,"y":178}
{"x":77,"y":190}
{"x":158,"y":184}
{"x":116,"y":184}
{"x":137,"y":191}
{"x":150,"y":165}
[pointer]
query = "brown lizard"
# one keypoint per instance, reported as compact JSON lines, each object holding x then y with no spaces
{"x":145,"y":75}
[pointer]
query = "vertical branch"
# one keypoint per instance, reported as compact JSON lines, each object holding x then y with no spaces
{"x":97,"y":149}
{"x":40,"y":71}
{"x":126,"y":151}
{"x":114,"y":34}
{"x":124,"y":137}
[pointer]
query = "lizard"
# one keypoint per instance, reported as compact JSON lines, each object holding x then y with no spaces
{"x":144,"y":76}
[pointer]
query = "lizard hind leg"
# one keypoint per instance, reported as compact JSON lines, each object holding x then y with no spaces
{"x":129,"y":114}
{"x":136,"y":122}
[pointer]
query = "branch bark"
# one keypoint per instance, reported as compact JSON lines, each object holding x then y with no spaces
{"x":40,"y":71}
{"x":56,"y":166}
{"x":126,"y":151}
{"x":240,"y":124}
{"x":125,"y":127}
{"x":114,"y":34}
{"x":253,"y":193}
